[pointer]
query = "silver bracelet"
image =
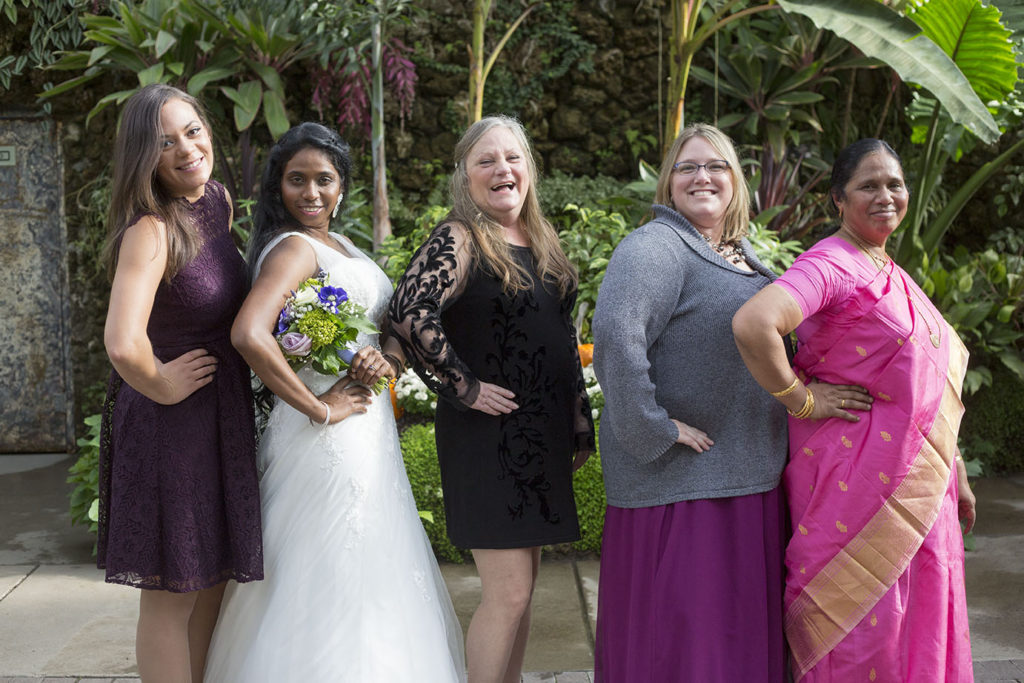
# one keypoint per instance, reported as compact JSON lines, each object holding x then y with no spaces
{"x":327,"y":419}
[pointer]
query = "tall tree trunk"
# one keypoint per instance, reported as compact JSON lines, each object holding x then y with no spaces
{"x":481,"y":9}
{"x":381,"y":217}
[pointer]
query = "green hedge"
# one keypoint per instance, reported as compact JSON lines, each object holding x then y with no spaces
{"x":993,"y":424}
{"x":420,"y":456}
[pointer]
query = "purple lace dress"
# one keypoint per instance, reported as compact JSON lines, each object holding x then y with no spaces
{"x":179,"y":496}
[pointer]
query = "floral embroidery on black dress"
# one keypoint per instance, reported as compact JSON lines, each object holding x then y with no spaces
{"x":507,"y":479}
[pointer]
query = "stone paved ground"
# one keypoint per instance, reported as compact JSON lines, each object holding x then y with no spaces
{"x":57,"y":617}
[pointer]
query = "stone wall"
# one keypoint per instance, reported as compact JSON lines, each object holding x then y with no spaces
{"x":578,"y":123}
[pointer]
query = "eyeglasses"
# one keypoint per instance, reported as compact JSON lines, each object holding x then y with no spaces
{"x":714,"y":167}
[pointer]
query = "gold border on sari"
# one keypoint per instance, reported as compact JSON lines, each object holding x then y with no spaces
{"x":864,"y":570}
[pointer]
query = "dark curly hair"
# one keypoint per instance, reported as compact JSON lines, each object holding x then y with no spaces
{"x":271,"y":217}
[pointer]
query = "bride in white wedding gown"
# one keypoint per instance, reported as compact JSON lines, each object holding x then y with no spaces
{"x":352,"y":590}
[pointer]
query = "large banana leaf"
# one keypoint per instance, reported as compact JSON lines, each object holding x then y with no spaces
{"x":970,"y":33}
{"x":879,"y":32}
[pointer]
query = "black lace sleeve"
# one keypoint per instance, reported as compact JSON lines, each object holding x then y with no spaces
{"x":583,"y":418}
{"x":434,"y":279}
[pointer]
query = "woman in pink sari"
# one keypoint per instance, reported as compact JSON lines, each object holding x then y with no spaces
{"x":875,"y":577}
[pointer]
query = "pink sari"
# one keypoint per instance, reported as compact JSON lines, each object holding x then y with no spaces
{"x":875,"y":587}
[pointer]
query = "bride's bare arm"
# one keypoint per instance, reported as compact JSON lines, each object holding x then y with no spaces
{"x":286,"y":266}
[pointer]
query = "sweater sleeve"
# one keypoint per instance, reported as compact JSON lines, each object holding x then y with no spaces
{"x":638,"y":296}
{"x":435,"y":278}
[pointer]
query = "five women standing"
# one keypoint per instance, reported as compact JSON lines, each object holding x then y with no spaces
{"x":692,"y":567}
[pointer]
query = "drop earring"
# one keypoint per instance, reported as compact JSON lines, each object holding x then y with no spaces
{"x":337,"y":205}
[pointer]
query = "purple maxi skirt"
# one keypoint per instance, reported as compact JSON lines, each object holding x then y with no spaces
{"x":692,"y":591}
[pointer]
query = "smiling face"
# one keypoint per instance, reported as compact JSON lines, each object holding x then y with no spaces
{"x":498,"y":175}
{"x":186,"y":153}
{"x":702,"y":198}
{"x":874,"y":200}
{"x":310,"y":188}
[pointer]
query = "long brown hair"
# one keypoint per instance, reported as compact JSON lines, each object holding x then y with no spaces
{"x":135,"y":188}
{"x":737,"y":214}
{"x":489,"y":236}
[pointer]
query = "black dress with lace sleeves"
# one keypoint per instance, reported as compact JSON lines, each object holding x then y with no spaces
{"x":507,"y":479}
{"x":435,"y":277}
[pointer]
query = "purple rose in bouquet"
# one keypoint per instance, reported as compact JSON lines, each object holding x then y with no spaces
{"x":295,"y":343}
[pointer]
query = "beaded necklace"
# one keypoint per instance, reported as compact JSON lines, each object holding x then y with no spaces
{"x":934,"y":336}
{"x":730,"y":251}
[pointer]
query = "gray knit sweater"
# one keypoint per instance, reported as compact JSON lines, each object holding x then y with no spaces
{"x":663,"y":348}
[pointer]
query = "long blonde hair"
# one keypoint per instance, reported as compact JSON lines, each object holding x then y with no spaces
{"x":135,"y":189}
{"x":737,"y":214}
{"x":489,"y":236}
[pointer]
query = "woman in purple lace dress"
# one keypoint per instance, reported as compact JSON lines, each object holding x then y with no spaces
{"x":179,"y":497}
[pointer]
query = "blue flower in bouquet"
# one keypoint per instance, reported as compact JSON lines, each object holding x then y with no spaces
{"x":284,"y":319}
{"x":330,"y":297}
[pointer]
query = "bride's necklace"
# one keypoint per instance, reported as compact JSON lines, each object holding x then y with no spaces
{"x":935,"y":336}
{"x":730,"y":251}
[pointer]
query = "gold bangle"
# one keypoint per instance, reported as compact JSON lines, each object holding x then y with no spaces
{"x":806,"y":409}
{"x":788,"y":390}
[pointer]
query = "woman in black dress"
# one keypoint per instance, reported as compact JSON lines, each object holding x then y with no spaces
{"x":179,"y":498}
{"x":483,"y":312}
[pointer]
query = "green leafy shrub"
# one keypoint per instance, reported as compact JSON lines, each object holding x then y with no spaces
{"x":559,"y":190}
{"x":85,"y":475}
{"x":588,"y":237}
{"x":993,"y":424}
{"x":420,"y":455}
{"x":588,"y":487}
{"x":981,"y":295}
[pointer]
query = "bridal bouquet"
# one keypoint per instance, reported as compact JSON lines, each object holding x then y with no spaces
{"x":316,"y":325}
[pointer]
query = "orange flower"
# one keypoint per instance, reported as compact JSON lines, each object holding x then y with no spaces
{"x":586,"y":354}
{"x":399,"y":410}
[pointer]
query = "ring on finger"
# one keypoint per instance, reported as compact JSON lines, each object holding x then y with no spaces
{"x":842,"y":403}
{"x":372,"y":368}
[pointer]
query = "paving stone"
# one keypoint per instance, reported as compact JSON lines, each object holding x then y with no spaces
{"x":998,"y":669}
{"x":536,"y":677}
{"x":573,"y":677}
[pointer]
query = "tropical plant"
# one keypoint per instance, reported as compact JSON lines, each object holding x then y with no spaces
{"x":230,"y":58}
{"x":353,"y":83}
{"x":588,"y":237}
{"x":85,"y":475}
{"x":54,"y":27}
{"x":982,"y":296}
{"x":973,"y":37}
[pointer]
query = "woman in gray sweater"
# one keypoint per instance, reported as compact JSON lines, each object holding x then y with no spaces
{"x":692,"y":449}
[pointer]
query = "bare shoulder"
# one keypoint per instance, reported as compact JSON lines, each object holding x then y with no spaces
{"x":293,"y":258}
{"x":145,"y":240}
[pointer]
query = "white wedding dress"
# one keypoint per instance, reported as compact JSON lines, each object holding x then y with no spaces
{"x":352,"y":590}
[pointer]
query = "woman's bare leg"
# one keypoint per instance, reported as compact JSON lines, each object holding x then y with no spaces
{"x":161,"y":639}
{"x":497,"y":633}
{"x":514,"y":670}
{"x":200,"y":627}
